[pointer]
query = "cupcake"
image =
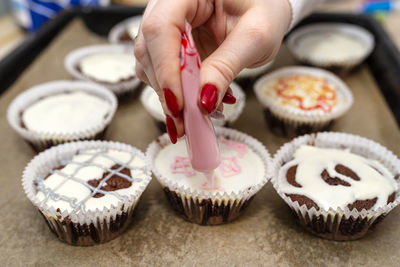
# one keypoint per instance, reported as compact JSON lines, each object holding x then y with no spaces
{"x":299,"y":100}
{"x":254,"y":72}
{"x":112,"y":66}
{"x":87,"y":191}
{"x":339,"y":185}
{"x":61,"y":111}
{"x":125,"y":31}
{"x":151,"y":103}
{"x":331,"y":45}
{"x":243,"y":171}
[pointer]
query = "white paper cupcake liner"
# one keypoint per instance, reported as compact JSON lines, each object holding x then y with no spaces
{"x":160,"y":117}
{"x":254,"y":72}
{"x":331,"y":223}
{"x":201,"y":206}
{"x":42,"y":140}
{"x":358,"y":33}
{"x":103,"y":223}
{"x":71,"y":62}
{"x":114,"y":36}
{"x":297,"y":117}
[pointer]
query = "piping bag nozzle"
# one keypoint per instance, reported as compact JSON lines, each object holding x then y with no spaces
{"x":201,"y":142}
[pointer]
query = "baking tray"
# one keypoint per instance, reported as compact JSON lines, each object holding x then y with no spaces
{"x":266,"y":234}
{"x":384,"y":61}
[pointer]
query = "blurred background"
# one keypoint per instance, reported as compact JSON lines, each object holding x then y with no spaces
{"x":18,"y":18}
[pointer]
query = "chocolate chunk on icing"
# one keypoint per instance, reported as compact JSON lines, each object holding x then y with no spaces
{"x":125,"y":37}
{"x":333,"y":180}
{"x":114,"y":183}
{"x":303,"y":200}
{"x":391,"y":198}
{"x":337,"y":178}
{"x":362,"y":204}
{"x":348,"y":172}
{"x":291,"y":176}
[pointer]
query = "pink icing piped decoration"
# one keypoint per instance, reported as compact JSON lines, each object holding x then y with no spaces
{"x":229,"y":167}
{"x":182,"y":165}
{"x":210,"y":183}
{"x":241,"y":149}
{"x":201,"y":142}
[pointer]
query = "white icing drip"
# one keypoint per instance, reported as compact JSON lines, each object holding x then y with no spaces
{"x":330,"y":46}
{"x":375,"y":180}
{"x":251,"y":166}
{"x":154,"y":104}
{"x":67,"y":189}
{"x":110,"y":67}
{"x":65,"y":113}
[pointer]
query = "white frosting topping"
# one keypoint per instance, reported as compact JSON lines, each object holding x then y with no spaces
{"x":67,"y":188}
{"x":110,"y":67}
{"x":375,"y":179}
{"x":65,"y":113}
{"x":153,"y":103}
{"x":240,"y":168}
{"x":330,"y":46}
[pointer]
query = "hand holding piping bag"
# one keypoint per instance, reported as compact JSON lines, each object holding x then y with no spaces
{"x":230,"y":35}
{"x":201,"y":141}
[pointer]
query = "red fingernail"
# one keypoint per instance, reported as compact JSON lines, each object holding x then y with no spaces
{"x":172,"y":103}
{"x":171,"y":129}
{"x":209,"y":97}
{"x":229,"y":98}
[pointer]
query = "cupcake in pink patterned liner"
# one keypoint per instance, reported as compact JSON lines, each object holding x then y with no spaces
{"x":339,"y":185}
{"x":62,"y":111}
{"x":151,"y":103}
{"x":125,"y":31}
{"x":112,"y":66}
{"x":87,"y":191}
{"x":299,"y":100}
{"x":243,"y":171}
{"x":331,"y":45}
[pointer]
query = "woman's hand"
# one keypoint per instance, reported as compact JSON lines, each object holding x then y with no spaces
{"x":230,"y":35}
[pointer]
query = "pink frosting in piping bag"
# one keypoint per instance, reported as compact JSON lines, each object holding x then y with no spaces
{"x":201,"y":142}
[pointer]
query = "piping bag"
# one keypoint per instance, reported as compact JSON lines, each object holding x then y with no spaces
{"x":201,"y":142}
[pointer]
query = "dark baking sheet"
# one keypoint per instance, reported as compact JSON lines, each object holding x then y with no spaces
{"x":384,"y":61}
{"x":266,"y":234}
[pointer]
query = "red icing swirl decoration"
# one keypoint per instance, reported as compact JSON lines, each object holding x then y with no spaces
{"x":306,"y":92}
{"x":188,"y":47}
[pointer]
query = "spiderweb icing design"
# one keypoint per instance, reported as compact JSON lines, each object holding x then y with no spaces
{"x":79,"y":206}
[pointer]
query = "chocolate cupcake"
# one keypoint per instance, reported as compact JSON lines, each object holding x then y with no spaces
{"x":299,"y":100}
{"x":62,"y":111}
{"x":151,"y":103}
{"x":87,"y":191}
{"x":243,"y":171}
{"x":125,"y":31}
{"x":112,"y":66}
{"x":339,"y":185}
